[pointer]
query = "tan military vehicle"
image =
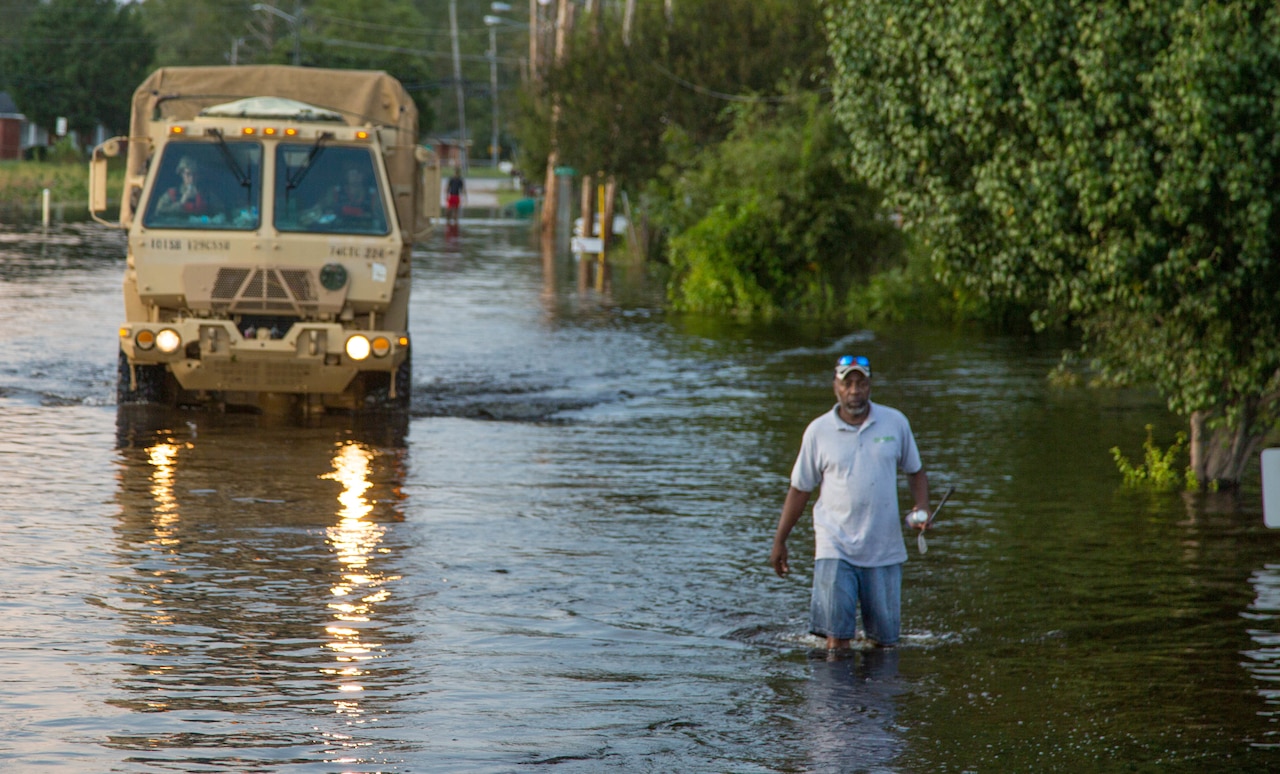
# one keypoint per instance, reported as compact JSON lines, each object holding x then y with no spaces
{"x":271,"y":212}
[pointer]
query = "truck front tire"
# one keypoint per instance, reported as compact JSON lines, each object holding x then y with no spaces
{"x":154,"y":384}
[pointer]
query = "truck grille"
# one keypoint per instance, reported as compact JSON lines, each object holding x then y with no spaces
{"x":246,"y":289}
{"x":228,"y":282}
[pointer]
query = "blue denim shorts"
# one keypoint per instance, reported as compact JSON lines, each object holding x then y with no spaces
{"x":840,"y":588}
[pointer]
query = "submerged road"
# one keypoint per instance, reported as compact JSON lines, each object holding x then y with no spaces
{"x":559,"y":559}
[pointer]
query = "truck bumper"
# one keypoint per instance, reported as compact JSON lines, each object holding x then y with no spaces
{"x":311,"y":358}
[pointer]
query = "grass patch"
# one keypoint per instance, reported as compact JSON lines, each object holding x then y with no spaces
{"x":21,"y":182}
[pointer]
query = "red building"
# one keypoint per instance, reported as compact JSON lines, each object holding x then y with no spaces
{"x":11,"y":125}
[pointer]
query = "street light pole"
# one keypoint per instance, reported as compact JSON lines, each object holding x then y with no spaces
{"x":457,"y":80}
{"x":493,"y":22}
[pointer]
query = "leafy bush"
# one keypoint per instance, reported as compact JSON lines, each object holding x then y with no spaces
{"x":1157,"y":470}
{"x":773,"y":220}
{"x":65,"y":151}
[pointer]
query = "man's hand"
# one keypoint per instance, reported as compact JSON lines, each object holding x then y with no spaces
{"x":918,"y":518}
{"x":778,"y":558}
{"x":791,"y":510}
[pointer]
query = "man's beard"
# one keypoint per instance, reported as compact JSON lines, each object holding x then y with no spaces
{"x":857,"y":408}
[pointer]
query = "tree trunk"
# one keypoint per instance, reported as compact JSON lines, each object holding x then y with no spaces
{"x":1219,"y":454}
{"x":550,"y":194}
{"x":606,"y":214}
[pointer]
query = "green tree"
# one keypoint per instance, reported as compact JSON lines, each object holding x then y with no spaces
{"x":80,"y":59}
{"x":390,"y":35}
{"x":773,"y":219}
{"x":14,"y":13}
{"x":366,"y":35}
{"x":203,"y":32}
{"x":618,"y":99}
{"x":1097,"y":164}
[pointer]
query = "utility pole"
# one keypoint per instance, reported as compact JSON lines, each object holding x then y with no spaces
{"x":297,"y":33}
{"x":533,"y":41}
{"x":457,"y":80}
{"x":295,"y":23}
{"x":564,"y":24}
{"x":550,"y":196}
{"x":493,"y":22}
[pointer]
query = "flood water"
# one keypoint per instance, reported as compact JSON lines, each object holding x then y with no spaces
{"x":558,"y":562}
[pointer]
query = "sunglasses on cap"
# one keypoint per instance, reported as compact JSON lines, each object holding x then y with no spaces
{"x":849,"y":363}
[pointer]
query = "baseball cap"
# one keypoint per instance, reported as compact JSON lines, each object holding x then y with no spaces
{"x":849,"y":363}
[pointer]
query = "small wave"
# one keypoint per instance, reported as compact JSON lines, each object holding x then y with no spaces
{"x":836,"y":347}
{"x":507,"y":403}
{"x":780,"y":638}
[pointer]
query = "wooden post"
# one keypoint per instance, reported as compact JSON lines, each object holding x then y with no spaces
{"x":588,"y":219}
{"x":606,"y":214}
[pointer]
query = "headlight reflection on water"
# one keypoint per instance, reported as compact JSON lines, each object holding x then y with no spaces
{"x":354,"y":540}
{"x":163,"y":458}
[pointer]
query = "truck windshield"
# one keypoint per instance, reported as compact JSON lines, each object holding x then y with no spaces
{"x":207,"y":185}
{"x":328,"y":189}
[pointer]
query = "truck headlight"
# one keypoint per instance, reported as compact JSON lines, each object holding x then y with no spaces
{"x":381,"y":345}
{"x":358,"y":347}
{"x":145,"y":339}
{"x":168,"y":341}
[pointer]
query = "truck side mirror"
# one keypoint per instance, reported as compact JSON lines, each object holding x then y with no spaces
{"x":98,"y":179}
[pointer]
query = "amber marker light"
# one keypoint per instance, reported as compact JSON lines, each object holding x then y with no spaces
{"x":177,"y":130}
{"x":145,"y":339}
{"x":291,"y":132}
{"x":404,"y":341}
{"x":248,"y":130}
{"x":381,"y":345}
{"x":270,"y":131}
{"x":362,"y":135}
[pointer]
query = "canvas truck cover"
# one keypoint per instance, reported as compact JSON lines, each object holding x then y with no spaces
{"x":363,"y":98}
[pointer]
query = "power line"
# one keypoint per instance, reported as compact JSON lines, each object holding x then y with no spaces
{"x":406,"y":30}
{"x":379,"y":27}
{"x":411,"y":51}
{"x":703,"y":90}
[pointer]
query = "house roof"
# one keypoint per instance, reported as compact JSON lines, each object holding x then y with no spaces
{"x":7,"y":108}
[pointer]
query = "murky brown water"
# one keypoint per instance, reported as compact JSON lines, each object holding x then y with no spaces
{"x":558,"y":561}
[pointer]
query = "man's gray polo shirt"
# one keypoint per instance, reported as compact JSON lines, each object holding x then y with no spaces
{"x":856,"y":515}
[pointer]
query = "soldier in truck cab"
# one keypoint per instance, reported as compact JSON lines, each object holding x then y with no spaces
{"x":352,"y":197}
{"x":187,"y":197}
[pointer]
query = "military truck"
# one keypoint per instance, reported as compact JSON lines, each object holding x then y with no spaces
{"x":271,"y":212}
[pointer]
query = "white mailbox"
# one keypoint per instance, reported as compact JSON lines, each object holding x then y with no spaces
{"x":1271,"y":488}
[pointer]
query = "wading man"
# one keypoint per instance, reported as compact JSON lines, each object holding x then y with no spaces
{"x":854,"y":453}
